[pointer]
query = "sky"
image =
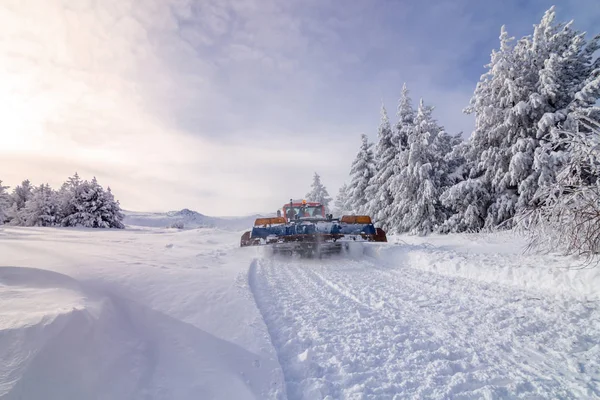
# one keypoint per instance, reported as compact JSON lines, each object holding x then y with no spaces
{"x":228,"y":107}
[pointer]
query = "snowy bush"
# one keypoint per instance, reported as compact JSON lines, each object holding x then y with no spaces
{"x":568,"y":215}
{"x":177,"y":225}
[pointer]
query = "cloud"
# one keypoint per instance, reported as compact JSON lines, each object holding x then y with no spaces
{"x":229,"y":106}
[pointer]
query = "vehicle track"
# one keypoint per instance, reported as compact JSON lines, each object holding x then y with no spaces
{"x":357,"y":329}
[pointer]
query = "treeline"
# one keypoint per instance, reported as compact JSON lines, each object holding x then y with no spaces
{"x":535,"y":142}
{"x":77,"y":203}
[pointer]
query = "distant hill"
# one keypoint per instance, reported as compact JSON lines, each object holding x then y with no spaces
{"x":188,"y":219}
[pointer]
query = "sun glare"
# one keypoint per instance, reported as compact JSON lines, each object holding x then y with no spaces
{"x":22,"y":122}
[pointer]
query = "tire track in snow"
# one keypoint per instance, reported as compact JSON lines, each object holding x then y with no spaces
{"x":525,"y":338}
{"x":349,"y":329}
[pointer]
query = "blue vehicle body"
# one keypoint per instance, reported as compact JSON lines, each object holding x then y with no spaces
{"x":312,"y":228}
{"x":305,"y":227}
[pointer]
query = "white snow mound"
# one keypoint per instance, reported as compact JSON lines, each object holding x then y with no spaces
{"x":61,"y":340}
{"x":494,"y":258}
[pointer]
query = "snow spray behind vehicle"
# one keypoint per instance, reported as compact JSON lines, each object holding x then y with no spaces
{"x":304,"y":228}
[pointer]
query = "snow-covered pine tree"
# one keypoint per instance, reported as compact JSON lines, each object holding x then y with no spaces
{"x":530,"y":89}
{"x":468,"y":199}
{"x":22,"y":193}
{"x":342,"y":202}
{"x":496,"y":128}
{"x":19,"y":197}
{"x":87,"y":204}
{"x":41,"y":209}
{"x":5,"y":203}
{"x":361,"y":173}
{"x":13,"y":215}
{"x":113,"y":213}
{"x":417,"y":186}
{"x":318,"y":192}
{"x":96,"y":208}
{"x":378,"y":193}
{"x":568,"y":83}
{"x":78,"y":205}
{"x":68,"y":197}
{"x":406,"y":116}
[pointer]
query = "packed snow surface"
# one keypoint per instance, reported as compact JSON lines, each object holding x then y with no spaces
{"x":149,"y":313}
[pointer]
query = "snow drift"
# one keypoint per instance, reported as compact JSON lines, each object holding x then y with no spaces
{"x":69,"y":341}
{"x":494,"y":258}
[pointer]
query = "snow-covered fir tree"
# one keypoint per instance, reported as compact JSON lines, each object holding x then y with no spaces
{"x":318,"y":192}
{"x":406,"y":116}
{"x":112,"y":214}
{"x":417,"y":186}
{"x":530,"y":89}
{"x":67,"y":198}
{"x":22,"y":193}
{"x":78,"y":203}
{"x":19,"y":197}
{"x":379,"y":193}
{"x":342,"y":204}
{"x":469,"y":200}
{"x":5,"y":203}
{"x":93,"y":207}
{"x":361,"y":174}
{"x":42,"y":208}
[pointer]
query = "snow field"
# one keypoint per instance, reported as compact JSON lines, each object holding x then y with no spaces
{"x":135,"y":314}
{"x":150,"y":313}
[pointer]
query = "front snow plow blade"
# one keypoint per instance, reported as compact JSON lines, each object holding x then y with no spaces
{"x":312,"y":236}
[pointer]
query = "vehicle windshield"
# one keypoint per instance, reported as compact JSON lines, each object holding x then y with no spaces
{"x":304,"y":212}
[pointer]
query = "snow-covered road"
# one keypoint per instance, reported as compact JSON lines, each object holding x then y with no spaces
{"x":359,"y":329}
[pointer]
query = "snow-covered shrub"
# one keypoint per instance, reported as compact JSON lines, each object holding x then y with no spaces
{"x":568,"y":215}
{"x":177,"y":225}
